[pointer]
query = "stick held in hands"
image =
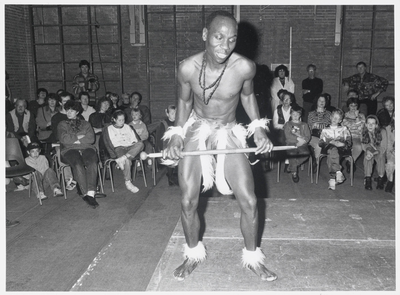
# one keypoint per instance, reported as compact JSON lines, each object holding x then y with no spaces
{"x":144,"y":155}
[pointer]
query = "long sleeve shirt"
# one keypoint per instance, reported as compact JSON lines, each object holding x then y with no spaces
{"x":40,"y":164}
{"x":141,"y":129}
{"x":68,"y":136}
{"x":337,"y":133}
{"x":295,"y":130}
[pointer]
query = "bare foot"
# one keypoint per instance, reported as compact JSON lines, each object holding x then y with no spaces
{"x":185,"y":269}
{"x":264,"y":273}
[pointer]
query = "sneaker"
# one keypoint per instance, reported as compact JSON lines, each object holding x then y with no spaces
{"x":42,"y":196}
{"x":71,"y":184}
{"x":20,"y":187}
{"x":91,"y":201}
{"x":368,"y":183}
{"x":295,"y":177}
{"x":58,"y":192}
{"x":340,"y":177}
{"x":332,"y":184}
{"x":131,"y":187}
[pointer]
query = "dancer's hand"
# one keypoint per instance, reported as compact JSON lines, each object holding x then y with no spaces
{"x":174,"y":148}
{"x":264,"y":145}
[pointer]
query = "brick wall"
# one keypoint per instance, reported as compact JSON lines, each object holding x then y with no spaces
{"x":265,"y":38}
{"x":18,"y":52}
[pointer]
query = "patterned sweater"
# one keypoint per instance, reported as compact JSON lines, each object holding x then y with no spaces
{"x":338,"y":133}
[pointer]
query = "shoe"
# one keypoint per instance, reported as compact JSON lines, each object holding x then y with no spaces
{"x":368,"y":183}
{"x":58,"y":192}
{"x":380,"y":184}
{"x":20,"y":187}
{"x":42,"y":196}
{"x":295,"y":177}
{"x":332,"y":184}
{"x":389,"y":186}
{"x":340,"y":177}
{"x":100,"y":195}
{"x":91,"y":201}
{"x":348,"y":166}
{"x":71,"y":184}
{"x":10,"y":223}
{"x":131,"y":187}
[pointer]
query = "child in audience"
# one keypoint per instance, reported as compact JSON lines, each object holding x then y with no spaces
{"x":46,"y":177}
{"x":141,"y":129}
{"x":123,"y":144}
{"x":335,"y":141}
{"x":172,"y":172}
{"x":297,"y":133}
{"x":374,"y":144}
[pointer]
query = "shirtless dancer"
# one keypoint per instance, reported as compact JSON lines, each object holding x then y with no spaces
{"x":211,"y":84}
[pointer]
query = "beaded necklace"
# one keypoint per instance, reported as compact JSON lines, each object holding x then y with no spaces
{"x":215,"y":84}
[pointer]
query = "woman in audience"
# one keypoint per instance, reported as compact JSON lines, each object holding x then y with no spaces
{"x":354,"y":121}
{"x":280,"y":117}
{"x":281,"y":81}
{"x":77,"y":150}
{"x":374,"y":144}
{"x":386,"y":114}
{"x":44,"y":115}
{"x":318,"y":119}
{"x":123,"y":144}
{"x":40,"y":101}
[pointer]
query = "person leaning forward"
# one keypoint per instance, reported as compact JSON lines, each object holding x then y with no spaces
{"x":218,"y":78}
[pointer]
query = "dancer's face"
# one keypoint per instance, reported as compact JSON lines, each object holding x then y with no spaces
{"x":220,"y":38}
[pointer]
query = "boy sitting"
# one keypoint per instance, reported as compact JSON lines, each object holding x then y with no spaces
{"x":335,"y":141}
{"x":297,"y":133}
{"x":44,"y":174}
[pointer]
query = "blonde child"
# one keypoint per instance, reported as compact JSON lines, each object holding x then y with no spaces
{"x":141,"y":129}
{"x":335,"y":141}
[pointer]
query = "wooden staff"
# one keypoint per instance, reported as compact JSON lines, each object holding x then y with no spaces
{"x":144,"y":155}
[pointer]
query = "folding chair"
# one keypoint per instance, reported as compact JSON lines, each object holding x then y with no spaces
{"x":14,"y":152}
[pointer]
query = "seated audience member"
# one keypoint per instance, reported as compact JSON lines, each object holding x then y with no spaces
{"x":387,"y":112}
{"x":335,"y":141}
{"x":298,"y":134}
{"x":87,"y":110}
{"x":374,"y":144}
{"x":170,"y":111}
{"x":63,"y":98}
{"x":77,"y":150}
{"x":20,"y":122}
{"x":390,"y":156}
{"x":123,"y":144}
{"x":115,"y":103}
{"x":352,"y":93}
{"x":125,"y":103}
{"x":44,"y":115}
{"x":102,"y":116}
{"x":46,"y":177}
{"x":354,"y":121}
{"x":40,"y":101}
{"x":100,"y":119}
{"x":280,"y":117}
{"x":141,"y":130}
{"x":135,"y":99}
{"x":317,"y":120}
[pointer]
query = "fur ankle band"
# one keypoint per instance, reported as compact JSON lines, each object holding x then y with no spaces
{"x":197,"y":253}
{"x":252,"y":258}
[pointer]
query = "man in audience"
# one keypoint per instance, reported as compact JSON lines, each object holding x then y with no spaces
{"x":369,"y":87}
{"x":312,"y":86}
{"x":20,"y":122}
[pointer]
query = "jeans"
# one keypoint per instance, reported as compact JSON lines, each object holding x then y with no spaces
{"x":380,"y":165}
{"x":48,"y":179}
{"x":84,"y":167}
{"x":297,"y":157}
{"x":130,"y":152}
